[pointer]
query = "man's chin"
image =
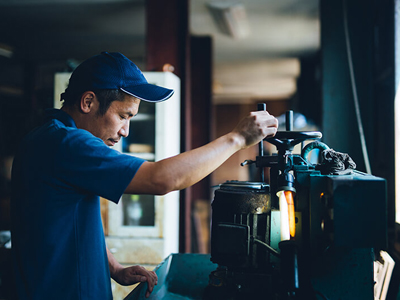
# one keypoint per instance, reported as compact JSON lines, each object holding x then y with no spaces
{"x":110,"y":143}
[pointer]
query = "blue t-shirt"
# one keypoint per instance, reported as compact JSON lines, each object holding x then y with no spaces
{"x":58,"y":242}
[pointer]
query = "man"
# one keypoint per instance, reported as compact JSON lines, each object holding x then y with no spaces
{"x":64,"y":166}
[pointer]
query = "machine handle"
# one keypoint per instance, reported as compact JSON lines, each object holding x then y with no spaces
{"x":292,"y":138}
{"x":286,"y":140}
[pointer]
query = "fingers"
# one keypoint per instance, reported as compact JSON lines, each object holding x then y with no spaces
{"x":135,"y":274}
{"x":152,"y":280}
{"x":265,"y":119}
{"x":268,"y":123}
{"x":150,"y":277}
{"x":257,"y":126}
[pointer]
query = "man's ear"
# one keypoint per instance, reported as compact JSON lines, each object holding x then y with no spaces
{"x":87,"y":101}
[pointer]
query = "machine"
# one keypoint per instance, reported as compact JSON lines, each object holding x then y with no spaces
{"x":309,"y":233}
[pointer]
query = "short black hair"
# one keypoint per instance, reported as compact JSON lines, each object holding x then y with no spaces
{"x":105,"y":98}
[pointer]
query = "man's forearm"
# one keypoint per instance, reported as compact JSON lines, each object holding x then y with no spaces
{"x":113,"y":264}
{"x":183,"y":170}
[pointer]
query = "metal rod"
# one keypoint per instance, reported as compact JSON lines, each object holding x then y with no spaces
{"x":289,"y":120}
{"x":261,"y":107}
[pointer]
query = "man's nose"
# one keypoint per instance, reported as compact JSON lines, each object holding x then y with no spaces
{"x":124,"y":131}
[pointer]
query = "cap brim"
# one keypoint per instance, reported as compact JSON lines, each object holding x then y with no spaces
{"x":149,"y":92}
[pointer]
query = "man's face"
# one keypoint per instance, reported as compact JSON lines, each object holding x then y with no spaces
{"x":114,"y":124}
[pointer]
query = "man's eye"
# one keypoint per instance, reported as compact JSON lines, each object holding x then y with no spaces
{"x":123,"y":117}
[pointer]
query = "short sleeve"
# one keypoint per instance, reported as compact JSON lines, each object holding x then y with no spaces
{"x":88,"y":164}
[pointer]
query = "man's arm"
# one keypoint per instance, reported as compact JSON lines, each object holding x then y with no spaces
{"x":185,"y":169}
{"x":131,"y":275}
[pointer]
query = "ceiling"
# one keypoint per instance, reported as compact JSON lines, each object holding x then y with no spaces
{"x":262,"y":64}
{"x":46,"y":30}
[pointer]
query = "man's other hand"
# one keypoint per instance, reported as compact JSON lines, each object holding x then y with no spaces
{"x":137,"y":274}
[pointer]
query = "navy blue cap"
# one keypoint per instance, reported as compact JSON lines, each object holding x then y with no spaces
{"x":115,"y":71}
